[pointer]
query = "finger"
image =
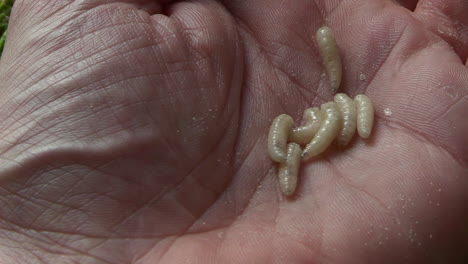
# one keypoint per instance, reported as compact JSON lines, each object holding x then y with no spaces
{"x":449,"y":20}
{"x":282,"y":32}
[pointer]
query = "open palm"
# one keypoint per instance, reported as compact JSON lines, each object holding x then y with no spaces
{"x":135,"y":132}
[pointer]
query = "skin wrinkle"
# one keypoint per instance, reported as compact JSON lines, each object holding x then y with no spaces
{"x":282,"y":72}
{"x":384,"y":61}
{"x":447,"y":111}
{"x":303,"y":88}
{"x":249,"y":200}
{"x":47,"y":209}
{"x":61,"y":232}
{"x":79,"y":224}
{"x":259,"y":114}
{"x":321,"y":11}
{"x":304,"y":245}
{"x":27,"y":200}
{"x":102,"y":61}
{"x":24,"y":231}
{"x":66,"y":20}
{"x":317,"y":205}
{"x":85,"y":253}
{"x":36,"y":96}
{"x":101,"y":194}
{"x":165,"y":250}
{"x":422,"y":137}
{"x":416,"y":52}
{"x":48,"y":128}
{"x":25,"y":139}
{"x":188,"y":37}
{"x":374,"y":199}
{"x":236,"y":144}
{"x":319,"y":242}
{"x":52,"y":242}
{"x":173,"y":187}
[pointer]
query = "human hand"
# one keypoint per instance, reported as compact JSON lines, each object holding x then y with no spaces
{"x":135,"y":132}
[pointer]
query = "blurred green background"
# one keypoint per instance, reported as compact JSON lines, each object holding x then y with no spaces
{"x":5,"y":10}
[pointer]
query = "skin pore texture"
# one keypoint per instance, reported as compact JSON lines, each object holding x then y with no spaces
{"x":135,"y":132}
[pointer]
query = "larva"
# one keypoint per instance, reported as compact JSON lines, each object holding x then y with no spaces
{"x":328,"y":131}
{"x":278,"y":137}
{"x":289,"y":170}
{"x":365,"y":115}
{"x":304,"y":134}
{"x":348,"y":113}
{"x":330,"y":55}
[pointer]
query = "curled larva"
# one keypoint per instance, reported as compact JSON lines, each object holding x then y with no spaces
{"x":289,"y":170}
{"x":348,"y":113}
{"x":328,"y":131}
{"x":278,"y":137}
{"x":330,"y":55}
{"x":365,"y":115}
{"x":304,"y":134}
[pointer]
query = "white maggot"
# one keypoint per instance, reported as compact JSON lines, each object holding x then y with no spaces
{"x":328,"y":131}
{"x":348,"y":113}
{"x":289,"y":170}
{"x":330,"y":54}
{"x":278,"y":137}
{"x":304,"y":134}
{"x":365,"y":115}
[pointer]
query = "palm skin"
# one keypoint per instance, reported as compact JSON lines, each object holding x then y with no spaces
{"x":135,"y":132}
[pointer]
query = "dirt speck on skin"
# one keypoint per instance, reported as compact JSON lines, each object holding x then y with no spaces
{"x":388,"y":112}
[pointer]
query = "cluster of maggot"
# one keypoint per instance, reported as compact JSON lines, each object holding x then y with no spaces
{"x":336,"y":120}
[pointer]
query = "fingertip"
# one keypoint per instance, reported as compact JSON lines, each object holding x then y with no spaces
{"x":206,"y":26}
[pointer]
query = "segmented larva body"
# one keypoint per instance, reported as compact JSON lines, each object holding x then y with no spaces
{"x":289,"y":170}
{"x":278,"y":137}
{"x":304,"y":134}
{"x":329,"y":129}
{"x":348,"y":113}
{"x":365,"y":115}
{"x":330,"y":55}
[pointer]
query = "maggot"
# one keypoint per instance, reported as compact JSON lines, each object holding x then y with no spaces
{"x":288,"y":171}
{"x":329,"y":129}
{"x":365,"y":115}
{"x":348,"y":113}
{"x":330,"y":54}
{"x":278,"y":137}
{"x":304,"y":134}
